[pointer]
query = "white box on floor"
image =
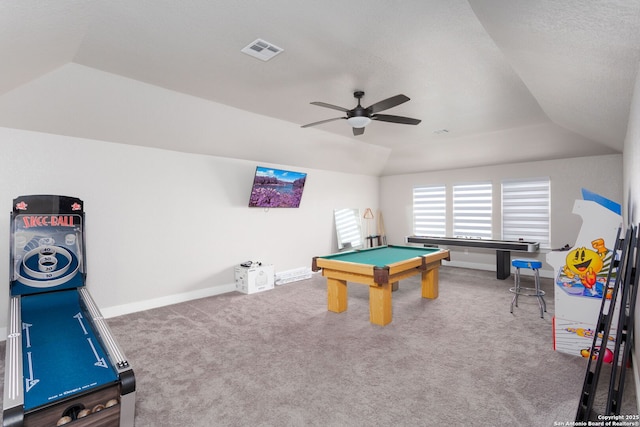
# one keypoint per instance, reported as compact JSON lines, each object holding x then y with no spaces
{"x":250,"y":280}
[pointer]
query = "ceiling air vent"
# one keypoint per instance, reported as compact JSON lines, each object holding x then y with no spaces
{"x":262,"y":50}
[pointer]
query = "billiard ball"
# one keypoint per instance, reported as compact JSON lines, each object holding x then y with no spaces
{"x":64,"y":420}
{"x":110,"y":403}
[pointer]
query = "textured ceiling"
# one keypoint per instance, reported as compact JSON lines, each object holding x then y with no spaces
{"x":500,"y":77}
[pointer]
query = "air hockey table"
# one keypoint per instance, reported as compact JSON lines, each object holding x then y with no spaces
{"x":62,"y":364}
{"x":503,"y":248}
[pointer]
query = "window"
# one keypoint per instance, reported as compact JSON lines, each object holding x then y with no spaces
{"x":472,"y":210}
{"x":429,"y":211}
{"x":525,"y":210}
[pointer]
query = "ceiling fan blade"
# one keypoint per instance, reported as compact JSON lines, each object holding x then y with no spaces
{"x":358,"y":131}
{"x":334,"y":107}
{"x":322,"y":121}
{"x":395,"y":119}
{"x":388,"y":103}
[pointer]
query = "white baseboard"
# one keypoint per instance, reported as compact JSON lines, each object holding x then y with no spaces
{"x":134,"y":307}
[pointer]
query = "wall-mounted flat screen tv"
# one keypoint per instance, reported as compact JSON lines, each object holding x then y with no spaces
{"x":276,"y":188}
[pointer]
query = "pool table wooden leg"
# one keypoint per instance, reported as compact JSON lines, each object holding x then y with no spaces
{"x":336,"y":295}
{"x":380,"y":304}
{"x":430,"y":281}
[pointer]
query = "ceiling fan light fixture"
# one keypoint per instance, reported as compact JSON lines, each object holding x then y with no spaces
{"x":359,"y":117}
{"x":359,"y":121}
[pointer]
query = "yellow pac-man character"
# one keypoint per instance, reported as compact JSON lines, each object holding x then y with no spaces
{"x":585,"y":264}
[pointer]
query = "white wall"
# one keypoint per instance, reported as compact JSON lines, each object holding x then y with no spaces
{"x":163,"y":226}
{"x":632,"y":161}
{"x":601,"y":174}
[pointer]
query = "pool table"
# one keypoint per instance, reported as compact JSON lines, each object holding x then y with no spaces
{"x":380,"y":268}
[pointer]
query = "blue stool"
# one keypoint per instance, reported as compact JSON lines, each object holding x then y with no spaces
{"x":517,"y":290}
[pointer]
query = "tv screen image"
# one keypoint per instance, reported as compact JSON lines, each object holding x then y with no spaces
{"x":276,"y":188}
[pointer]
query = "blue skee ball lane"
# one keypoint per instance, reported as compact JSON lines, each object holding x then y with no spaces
{"x":61,"y":354}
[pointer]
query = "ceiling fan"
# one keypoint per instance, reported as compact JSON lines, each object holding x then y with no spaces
{"x":359,"y":116}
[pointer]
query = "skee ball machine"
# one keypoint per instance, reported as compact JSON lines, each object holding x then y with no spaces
{"x":62,"y":364}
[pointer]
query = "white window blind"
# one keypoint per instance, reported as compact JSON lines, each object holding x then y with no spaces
{"x":525,"y":210}
{"x":429,"y":211}
{"x":472,"y":210}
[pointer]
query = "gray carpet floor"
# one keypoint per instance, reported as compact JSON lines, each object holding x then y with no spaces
{"x":279,"y":358}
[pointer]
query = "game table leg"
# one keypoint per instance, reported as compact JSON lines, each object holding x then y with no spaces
{"x":336,"y":295}
{"x":430,"y":282}
{"x":380,"y":304}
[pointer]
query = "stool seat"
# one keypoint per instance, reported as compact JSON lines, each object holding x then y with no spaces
{"x":535,"y":265}
{"x":527,"y":263}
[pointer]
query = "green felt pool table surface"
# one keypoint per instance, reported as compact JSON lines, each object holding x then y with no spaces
{"x":382,"y":256}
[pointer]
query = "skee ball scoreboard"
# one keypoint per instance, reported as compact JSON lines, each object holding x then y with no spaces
{"x":62,"y":364}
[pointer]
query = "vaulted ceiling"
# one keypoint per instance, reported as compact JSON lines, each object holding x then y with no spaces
{"x":493,"y":81}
